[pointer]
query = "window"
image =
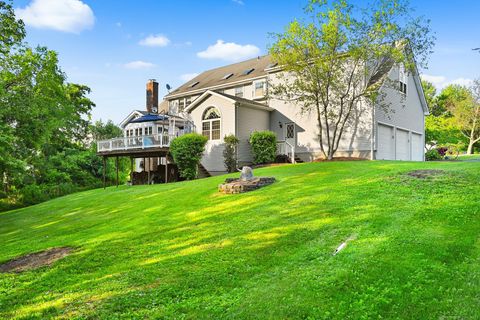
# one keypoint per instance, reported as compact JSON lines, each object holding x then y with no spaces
{"x":248,"y":71}
{"x":259,"y":89}
{"x":181,"y":105}
{"x":188,"y":101}
{"x":228,"y":75}
{"x":239,"y":92}
{"x":149,"y":131}
{"x":136,"y":132}
{"x":402,"y":80}
{"x":194,"y":84}
{"x":211,"y":124}
{"x":173,"y":106}
{"x":127,"y":133}
{"x":140,"y":131}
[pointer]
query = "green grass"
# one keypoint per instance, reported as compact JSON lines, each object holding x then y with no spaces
{"x":184,"y":251}
{"x":466,"y":157}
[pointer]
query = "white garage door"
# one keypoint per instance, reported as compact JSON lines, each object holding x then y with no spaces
{"x":402,"y":145}
{"x":386,"y":140}
{"x":417,"y":147}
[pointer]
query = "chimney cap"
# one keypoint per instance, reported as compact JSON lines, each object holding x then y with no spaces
{"x":152,"y":80}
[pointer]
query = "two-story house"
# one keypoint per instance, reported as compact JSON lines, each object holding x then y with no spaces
{"x":233,"y":100}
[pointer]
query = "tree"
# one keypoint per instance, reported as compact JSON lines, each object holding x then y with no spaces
{"x":466,"y":113}
{"x":230,"y":152}
{"x":430,"y":95}
{"x":340,"y":59}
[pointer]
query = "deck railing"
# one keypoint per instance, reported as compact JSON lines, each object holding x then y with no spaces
{"x":285,"y":148}
{"x":131,"y":143}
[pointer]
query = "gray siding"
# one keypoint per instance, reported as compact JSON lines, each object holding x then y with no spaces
{"x":249,"y":120}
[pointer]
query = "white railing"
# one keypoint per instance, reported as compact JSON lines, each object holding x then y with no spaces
{"x":285,"y":148}
{"x":129,"y":143}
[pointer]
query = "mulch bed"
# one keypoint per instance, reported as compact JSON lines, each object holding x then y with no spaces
{"x":35,"y":260}
{"x":423,"y":174}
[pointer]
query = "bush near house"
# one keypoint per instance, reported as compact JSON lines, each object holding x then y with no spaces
{"x":264,"y":146}
{"x":187,"y":152}
{"x":230,"y":152}
{"x":433,"y":155}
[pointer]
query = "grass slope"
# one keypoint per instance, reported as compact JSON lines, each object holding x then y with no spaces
{"x":184,"y":251}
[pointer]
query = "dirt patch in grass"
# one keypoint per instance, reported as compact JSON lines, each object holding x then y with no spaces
{"x":423,"y":174}
{"x":35,"y":260}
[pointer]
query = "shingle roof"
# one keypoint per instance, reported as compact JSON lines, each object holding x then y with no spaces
{"x":215,"y":77}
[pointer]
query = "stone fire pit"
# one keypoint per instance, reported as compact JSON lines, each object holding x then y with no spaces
{"x":246,"y":182}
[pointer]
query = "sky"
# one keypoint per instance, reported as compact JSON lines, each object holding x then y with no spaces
{"x":115,"y":46}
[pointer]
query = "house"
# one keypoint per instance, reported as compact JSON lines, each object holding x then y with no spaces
{"x":233,"y":100}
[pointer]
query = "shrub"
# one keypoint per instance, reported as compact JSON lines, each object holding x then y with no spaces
{"x":230,"y":152}
{"x":432,"y":155}
{"x":187,"y":152}
{"x":32,"y":194}
{"x":264,"y":146}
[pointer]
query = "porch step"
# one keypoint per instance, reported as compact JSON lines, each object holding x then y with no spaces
{"x":202,"y":172}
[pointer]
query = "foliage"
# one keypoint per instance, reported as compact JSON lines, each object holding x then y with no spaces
{"x":433,"y":155}
{"x":264,"y":146}
{"x":454,"y":149}
{"x":230,"y":152}
{"x":441,"y":130}
{"x":187,"y":151}
{"x":45,"y":150}
{"x":182,"y":251}
{"x":430,"y":96}
{"x":466,"y":113}
{"x":338,"y":60}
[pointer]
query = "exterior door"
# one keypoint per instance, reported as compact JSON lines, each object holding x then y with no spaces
{"x":402,"y":145}
{"x":386,"y":143}
{"x":417,"y":147}
{"x":290,"y":134}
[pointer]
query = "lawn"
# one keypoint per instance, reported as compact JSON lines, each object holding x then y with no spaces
{"x":185,"y":251}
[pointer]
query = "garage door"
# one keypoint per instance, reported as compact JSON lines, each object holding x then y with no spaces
{"x":417,"y":147}
{"x":402,"y":145}
{"x":386,"y":140}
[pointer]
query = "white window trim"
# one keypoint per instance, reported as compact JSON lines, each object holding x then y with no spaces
{"x":210,"y":121}
{"x":402,"y":78}
{"x":264,"y":88}
{"x":243,"y":91}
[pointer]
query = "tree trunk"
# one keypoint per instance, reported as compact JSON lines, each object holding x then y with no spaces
{"x":470,"y":147}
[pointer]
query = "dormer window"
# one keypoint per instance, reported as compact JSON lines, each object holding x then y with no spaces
{"x":402,"y":80}
{"x":194,"y":84}
{"x":227,"y":76}
{"x":248,"y":71}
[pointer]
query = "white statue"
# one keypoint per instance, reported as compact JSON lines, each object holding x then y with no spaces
{"x":246,"y":173}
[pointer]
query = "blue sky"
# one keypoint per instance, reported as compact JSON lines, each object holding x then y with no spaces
{"x":114,"y":47}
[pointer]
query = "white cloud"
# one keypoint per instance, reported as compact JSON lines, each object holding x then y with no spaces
{"x":188,"y":76}
{"x":63,"y":15}
{"x":139,"y":64}
{"x":441,"y":82}
{"x":240,"y":2}
{"x":118,"y":24}
{"x":155,"y":41}
{"x":229,"y":51}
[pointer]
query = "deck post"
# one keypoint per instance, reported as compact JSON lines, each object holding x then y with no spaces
{"x":104,"y":172}
{"x":148,"y":179}
{"x":116,"y":167}
{"x":166,"y":167}
{"x":131,"y":171}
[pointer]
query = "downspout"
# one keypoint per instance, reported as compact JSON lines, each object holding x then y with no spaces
{"x":372,"y":137}
{"x":236,"y":134}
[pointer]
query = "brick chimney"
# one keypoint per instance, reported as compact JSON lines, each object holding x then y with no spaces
{"x":152,"y":96}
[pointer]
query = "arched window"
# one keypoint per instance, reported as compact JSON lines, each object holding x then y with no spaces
{"x":211,"y":123}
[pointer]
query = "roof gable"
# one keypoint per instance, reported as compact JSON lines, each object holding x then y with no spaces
{"x":229,"y":98}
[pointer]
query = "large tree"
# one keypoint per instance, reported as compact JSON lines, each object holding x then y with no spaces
{"x":466,"y":113}
{"x":340,"y":58}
